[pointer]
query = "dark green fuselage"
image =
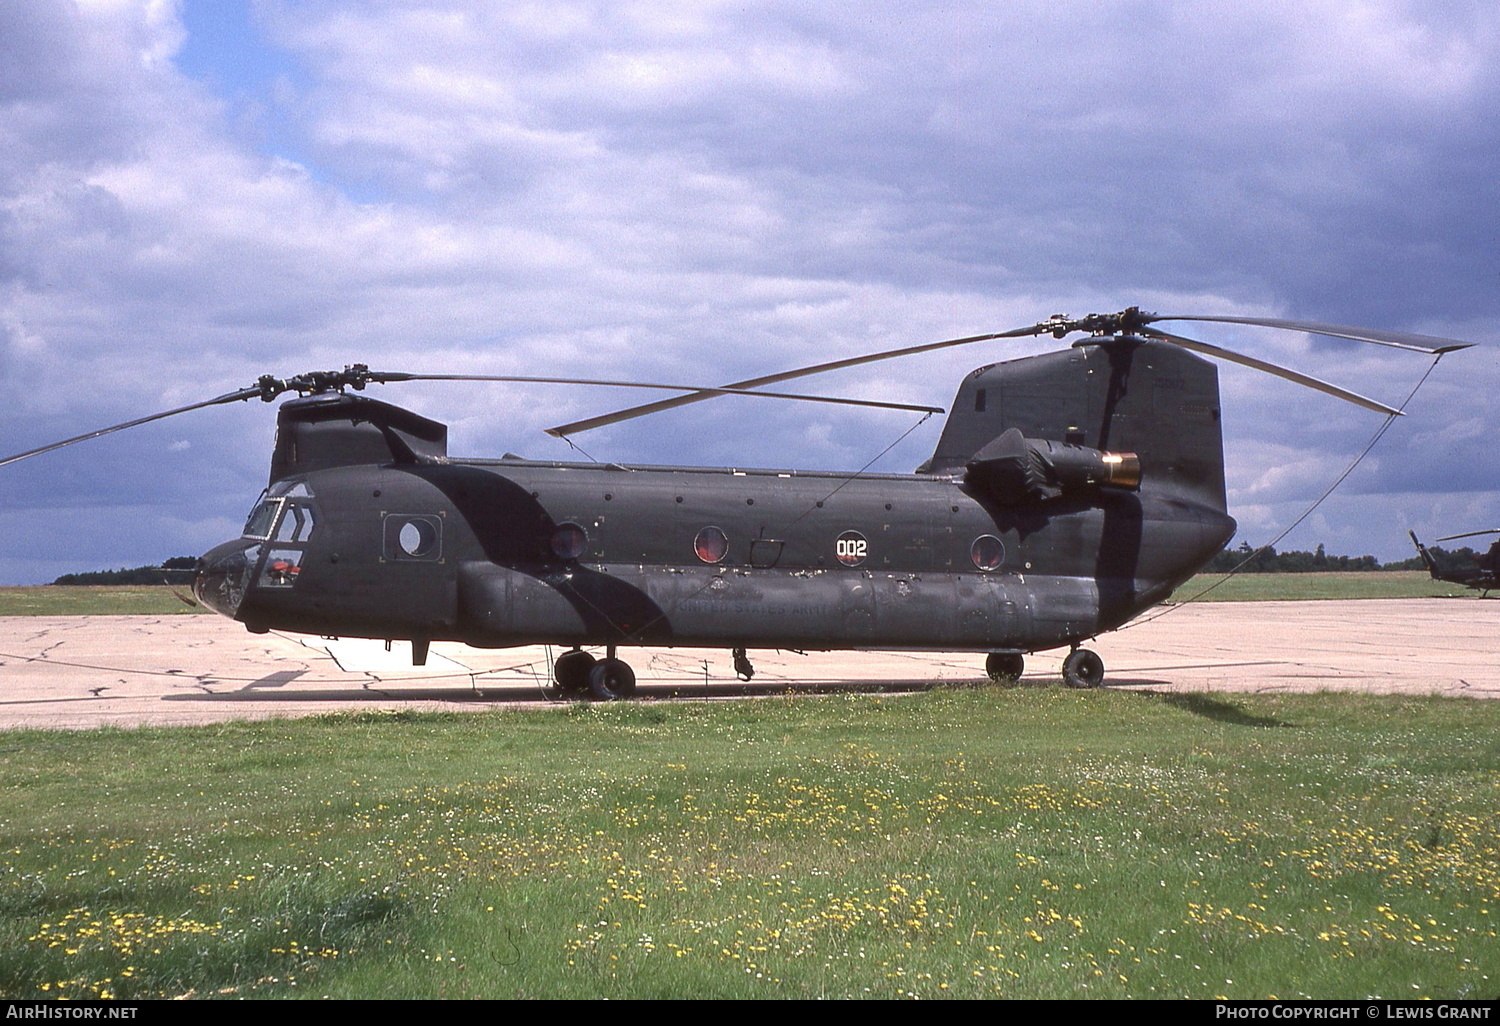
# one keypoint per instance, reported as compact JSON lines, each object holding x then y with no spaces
{"x":373,"y":532}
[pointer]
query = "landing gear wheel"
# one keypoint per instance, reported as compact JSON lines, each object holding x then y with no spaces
{"x":1083,"y":669}
{"x":611,"y":679}
{"x":1005,"y":668}
{"x":571,"y":671}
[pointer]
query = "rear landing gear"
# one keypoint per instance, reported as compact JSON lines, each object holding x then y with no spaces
{"x":1005,"y":668}
{"x":1083,"y":669}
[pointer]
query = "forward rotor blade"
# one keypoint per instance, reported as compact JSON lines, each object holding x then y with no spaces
{"x":707,"y":391}
{"x":228,"y":397}
{"x":1270,"y":368}
{"x":1429,"y":344}
{"x":1470,"y":534}
{"x":770,"y":379}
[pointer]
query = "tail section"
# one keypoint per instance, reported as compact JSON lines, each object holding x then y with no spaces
{"x":1107,"y":462}
{"x":1427,"y":559}
{"x":1100,"y":399}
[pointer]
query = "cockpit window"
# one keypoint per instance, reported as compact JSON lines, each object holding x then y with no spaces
{"x":261,"y":518}
{"x":281,"y":568}
{"x":296,"y":523}
{"x":291,"y":489}
{"x":286,"y":523}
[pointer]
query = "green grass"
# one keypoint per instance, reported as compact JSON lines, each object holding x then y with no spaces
{"x":1375,"y":584}
{"x":1023,"y":843}
{"x":93,"y":600}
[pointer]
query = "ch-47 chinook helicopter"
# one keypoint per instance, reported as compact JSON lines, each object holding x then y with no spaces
{"x":1068,"y":492}
{"x":1483,"y":577}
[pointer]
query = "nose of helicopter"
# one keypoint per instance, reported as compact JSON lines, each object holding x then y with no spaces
{"x":221,"y":575}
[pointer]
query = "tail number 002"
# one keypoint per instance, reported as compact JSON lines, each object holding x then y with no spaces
{"x":851,"y":548}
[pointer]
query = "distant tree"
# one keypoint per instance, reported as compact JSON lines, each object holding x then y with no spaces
{"x":1459,"y":559}
{"x":1295,"y":561}
{"x":1228,"y":559}
{"x":1264,"y":561}
{"x":171,"y":569}
{"x":1414,"y":563}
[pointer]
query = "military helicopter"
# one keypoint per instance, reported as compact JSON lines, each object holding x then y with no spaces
{"x":1068,"y":492}
{"x":1482,"y":578}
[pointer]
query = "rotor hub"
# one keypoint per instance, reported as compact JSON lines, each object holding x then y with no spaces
{"x":1129,"y":321}
{"x":354,"y":375}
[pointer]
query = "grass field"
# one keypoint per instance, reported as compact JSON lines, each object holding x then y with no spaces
{"x":55,"y":600}
{"x":1306,"y":587}
{"x":93,"y":600}
{"x":967,"y":843}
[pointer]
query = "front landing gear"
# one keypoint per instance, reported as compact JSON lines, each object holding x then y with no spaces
{"x":1083,"y":669}
{"x":1005,"y":668}
{"x":571,"y":671}
{"x":611,"y":679}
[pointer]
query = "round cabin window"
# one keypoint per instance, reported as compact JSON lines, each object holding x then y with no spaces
{"x":711,"y":545}
{"x":417,"y":538}
{"x":987,"y":552}
{"x":569,"y":541}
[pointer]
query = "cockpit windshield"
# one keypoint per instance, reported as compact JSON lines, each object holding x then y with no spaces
{"x":291,"y":495}
{"x":291,"y":489}
{"x":261,"y":518}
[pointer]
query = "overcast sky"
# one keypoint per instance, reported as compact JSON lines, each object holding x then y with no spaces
{"x":195,"y":193}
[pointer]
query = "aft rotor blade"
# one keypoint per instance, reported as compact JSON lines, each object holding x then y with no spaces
{"x":1270,"y":368}
{"x":1470,"y":534}
{"x":229,"y":397}
{"x":770,"y":379}
{"x":1429,"y":344}
{"x":706,"y":390}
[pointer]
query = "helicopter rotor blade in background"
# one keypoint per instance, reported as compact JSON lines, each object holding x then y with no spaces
{"x":604,"y":420}
{"x":1429,"y":344}
{"x":1279,"y":371}
{"x":1131,"y":321}
{"x":358,"y":376}
{"x":1470,"y":534}
{"x":228,"y":397}
{"x":706,"y":390}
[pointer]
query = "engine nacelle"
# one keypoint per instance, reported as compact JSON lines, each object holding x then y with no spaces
{"x":1018,"y":470}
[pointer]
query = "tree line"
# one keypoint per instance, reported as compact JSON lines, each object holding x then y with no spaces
{"x":1269,"y":561}
{"x":170,"y":570}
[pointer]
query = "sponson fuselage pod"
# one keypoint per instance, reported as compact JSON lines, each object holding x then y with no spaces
{"x":1069,"y":492}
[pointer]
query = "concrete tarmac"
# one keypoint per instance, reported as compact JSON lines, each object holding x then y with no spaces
{"x":77,"y":672}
